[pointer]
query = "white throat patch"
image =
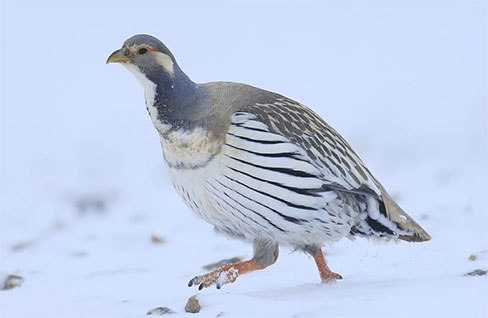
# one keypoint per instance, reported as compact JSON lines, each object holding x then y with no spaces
{"x":150,"y":94}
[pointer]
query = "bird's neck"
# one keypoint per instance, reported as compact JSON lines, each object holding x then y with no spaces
{"x":170,"y":98}
{"x":176,"y":97}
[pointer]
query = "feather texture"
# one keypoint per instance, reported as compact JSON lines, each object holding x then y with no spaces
{"x":298,"y":183}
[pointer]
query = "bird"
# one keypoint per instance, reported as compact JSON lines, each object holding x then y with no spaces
{"x":260,"y":167}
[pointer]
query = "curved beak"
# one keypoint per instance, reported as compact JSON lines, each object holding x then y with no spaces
{"x":118,"y":57}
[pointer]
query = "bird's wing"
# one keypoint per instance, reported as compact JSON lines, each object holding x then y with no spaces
{"x":307,"y":147}
{"x":339,"y":166}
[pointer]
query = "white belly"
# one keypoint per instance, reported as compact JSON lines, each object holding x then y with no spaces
{"x":190,"y":185}
{"x":191,"y":160}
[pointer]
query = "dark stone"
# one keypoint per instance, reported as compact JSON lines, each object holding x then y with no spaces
{"x":160,"y":311}
{"x":477,"y":272}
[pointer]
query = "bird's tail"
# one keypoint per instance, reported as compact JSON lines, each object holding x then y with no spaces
{"x":383,"y":218}
{"x":412,"y":231}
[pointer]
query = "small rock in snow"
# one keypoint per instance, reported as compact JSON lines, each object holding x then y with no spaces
{"x":193,"y":305}
{"x":477,"y":272}
{"x":13,"y":281}
{"x":156,"y":239}
{"x":79,"y":254}
{"x":481,"y":254}
{"x":88,"y":204}
{"x":22,"y":245}
{"x":223,"y":262}
{"x":160,"y":311}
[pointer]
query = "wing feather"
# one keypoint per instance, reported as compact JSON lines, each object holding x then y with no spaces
{"x":339,"y":167}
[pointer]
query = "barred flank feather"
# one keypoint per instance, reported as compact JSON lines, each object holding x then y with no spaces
{"x":271,"y":180}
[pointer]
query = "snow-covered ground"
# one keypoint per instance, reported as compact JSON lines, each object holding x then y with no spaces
{"x":82,"y":184}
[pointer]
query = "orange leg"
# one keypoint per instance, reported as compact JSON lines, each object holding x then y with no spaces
{"x":225,"y":274}
{"x":326,"y":274}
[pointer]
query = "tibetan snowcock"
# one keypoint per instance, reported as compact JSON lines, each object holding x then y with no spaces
{"x":259,"y":166}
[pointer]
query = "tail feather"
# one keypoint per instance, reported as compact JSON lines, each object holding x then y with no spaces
{"x":385,"y":219}
{"x":413,"y":231}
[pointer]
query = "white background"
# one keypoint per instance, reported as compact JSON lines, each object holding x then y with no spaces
{"x":405,"y":82}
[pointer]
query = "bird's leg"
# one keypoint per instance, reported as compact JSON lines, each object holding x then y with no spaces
{"x":225,"y":274}
{"x":326,"y":274}
{"x":265,"y":254}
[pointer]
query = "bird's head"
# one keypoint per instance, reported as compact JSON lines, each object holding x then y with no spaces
{"x":145,"y":55}
{"x":150,"y":61}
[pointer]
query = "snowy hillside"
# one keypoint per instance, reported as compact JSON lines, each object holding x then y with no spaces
{"x":91,"y":223}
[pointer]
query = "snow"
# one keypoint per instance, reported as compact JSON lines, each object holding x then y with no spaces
{"x":83,"y":187}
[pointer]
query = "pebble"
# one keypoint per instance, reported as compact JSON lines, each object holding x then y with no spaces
{"x":157,"y":239}
{"x":193,"y":305}
{"x":13,"y":281}
{"x":160,"y":311}
{"x":477,"y":272}
{"x":479,"y":255}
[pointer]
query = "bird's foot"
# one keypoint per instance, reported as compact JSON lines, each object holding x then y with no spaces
{"x":326,"y":275}
{"x":223,"y":275}
{"x":329,"y":277}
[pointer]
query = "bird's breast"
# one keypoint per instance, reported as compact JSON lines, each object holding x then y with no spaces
{"x":189,"y":149}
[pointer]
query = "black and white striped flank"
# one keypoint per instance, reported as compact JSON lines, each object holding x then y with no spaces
{"x":285,"y":178}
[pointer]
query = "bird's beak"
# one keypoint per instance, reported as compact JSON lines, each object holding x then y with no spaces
{"x":118,"y":57}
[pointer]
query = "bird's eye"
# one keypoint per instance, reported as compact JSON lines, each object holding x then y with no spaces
{"x":142,"y":50}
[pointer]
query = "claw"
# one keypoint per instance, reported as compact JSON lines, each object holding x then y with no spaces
{"x":224,"y":275}
{"x":331,"y":278}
